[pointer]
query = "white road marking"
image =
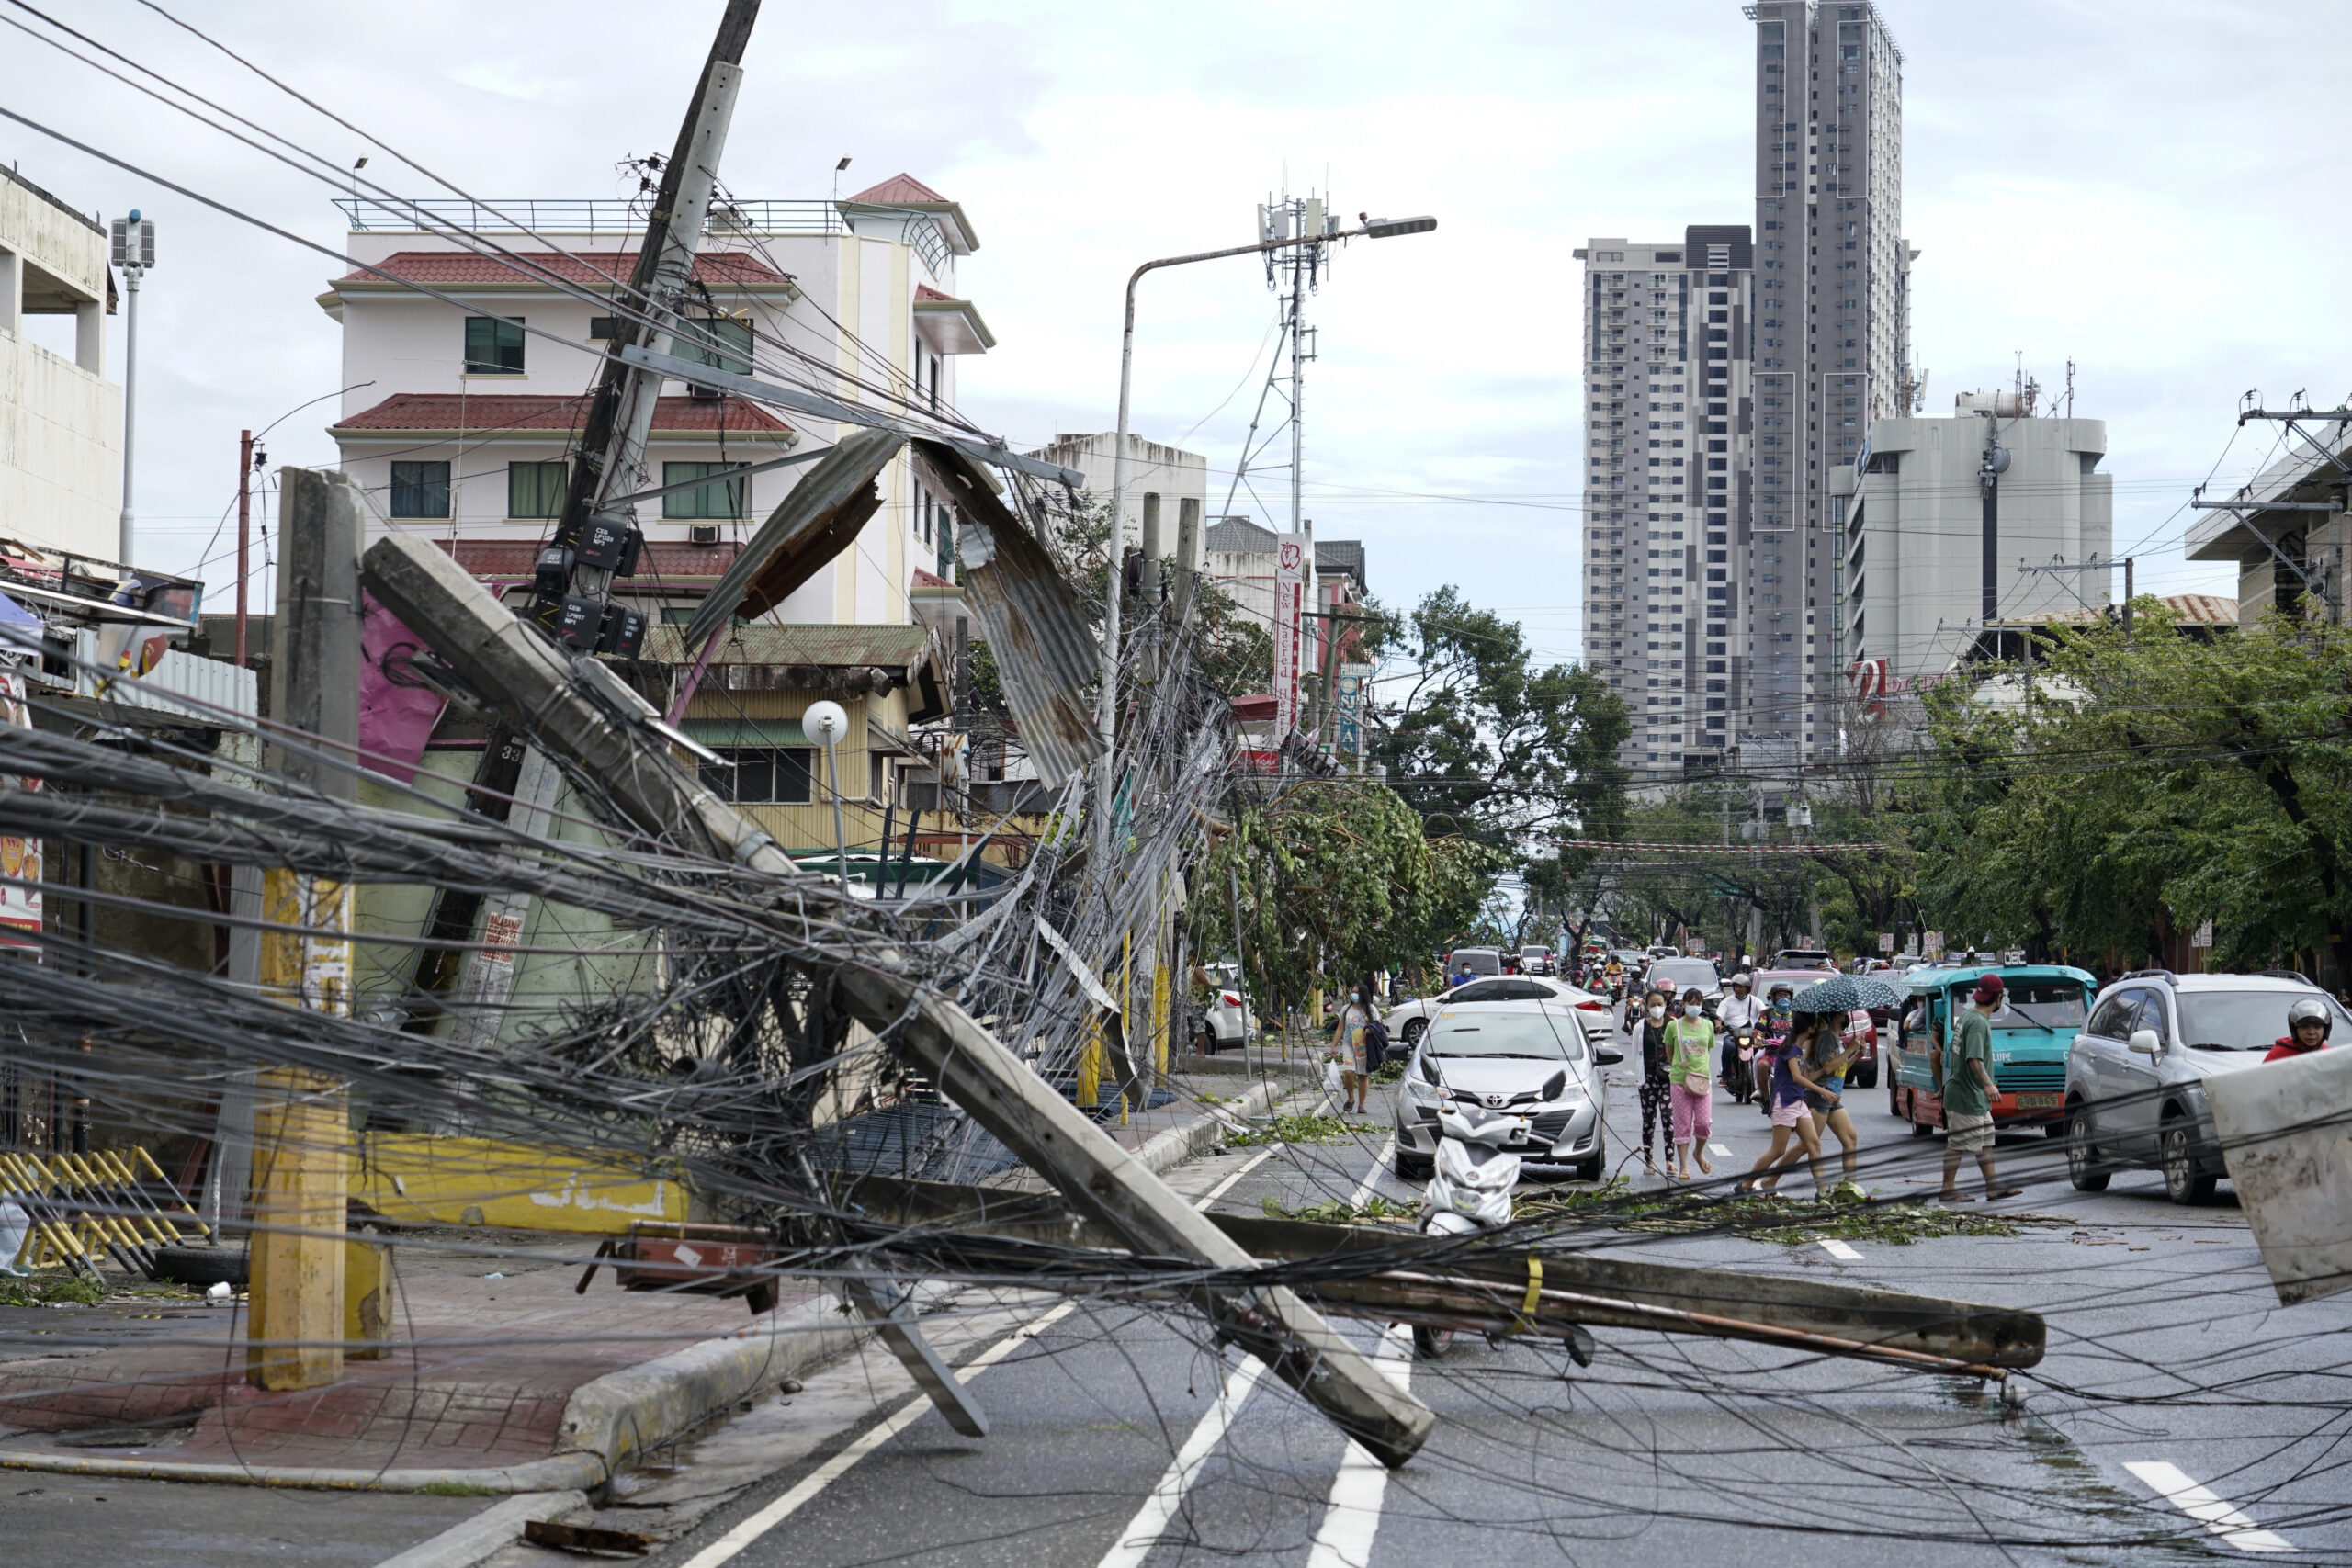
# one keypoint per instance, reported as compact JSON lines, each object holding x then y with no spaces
{"x":725,"y":1548}
{"x":1840,"y":1251}
{"x":1719,"y":1148}
{"x":1252,"y":1163}
{"x":1143,"y":1531}
{"x":1351,"y":1518}
{"x":2200,"y":1504}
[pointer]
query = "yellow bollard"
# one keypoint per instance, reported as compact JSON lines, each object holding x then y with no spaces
{"x":1089,"y":1066}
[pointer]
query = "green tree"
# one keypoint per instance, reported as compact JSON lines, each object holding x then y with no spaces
{"x":1335,"y":878}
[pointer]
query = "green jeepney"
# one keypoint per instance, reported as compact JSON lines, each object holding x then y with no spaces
{"x":2044,"y":1005}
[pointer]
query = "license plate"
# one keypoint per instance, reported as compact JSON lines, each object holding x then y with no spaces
{"x":2039,"y":1101}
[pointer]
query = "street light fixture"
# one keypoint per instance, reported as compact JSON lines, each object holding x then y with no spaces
{"x":826,"y":723}
{"x":1107,"y":702}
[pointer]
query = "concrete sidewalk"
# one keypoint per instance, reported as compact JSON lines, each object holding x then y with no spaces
{"x":502,"y":1378}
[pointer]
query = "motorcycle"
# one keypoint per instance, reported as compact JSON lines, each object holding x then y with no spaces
{"x":1472,"y":1177}
{"x":1741,"y":1078}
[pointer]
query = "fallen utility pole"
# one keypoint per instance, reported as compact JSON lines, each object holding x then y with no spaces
{"x":301,"y":1125}
{"x":1409,"y":1278}
{"x":579,"y":709}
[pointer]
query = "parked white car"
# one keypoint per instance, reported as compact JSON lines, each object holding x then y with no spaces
{"x":1226,"y":1023}
{"x":1405,"y":1023}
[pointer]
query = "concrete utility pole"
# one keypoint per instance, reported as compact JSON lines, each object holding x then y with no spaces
{"x":244,"y":532}
{"x":531,"y":681}
{"x":595,"y":541}
{"x":133,"y":252}
{"x":303,"y":1128}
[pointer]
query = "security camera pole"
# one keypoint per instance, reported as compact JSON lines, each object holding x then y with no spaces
{"x":134,"y":253}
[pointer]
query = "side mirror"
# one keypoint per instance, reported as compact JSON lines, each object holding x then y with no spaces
{"x":1608,"y":1056}
{"x":2147,"y":1043}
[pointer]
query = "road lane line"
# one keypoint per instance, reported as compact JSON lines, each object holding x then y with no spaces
{"x":2200,"y":1504}
{"x":1840,"y":1251}
{"x":1372,"y":1178}
{"x":1143,"y":1531}
{"x":1351,"y":1518}
{"x":726,"y":1546}
{"x":1222,"y":1187}
{"x":1719,"y":1148}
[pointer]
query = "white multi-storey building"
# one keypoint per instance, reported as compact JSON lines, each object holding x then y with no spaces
{"x":1668,"y":415}
{"x":461,"y":417}
{"x":1831,"y":341}
{"x":61,"y":419}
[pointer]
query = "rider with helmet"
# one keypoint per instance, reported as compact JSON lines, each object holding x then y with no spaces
{"x":2308,"y":1021}
{"x":1739,"y":1013}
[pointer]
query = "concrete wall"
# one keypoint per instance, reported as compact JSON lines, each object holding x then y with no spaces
{"x":61,"y":420}
{"x":1171,"y":473}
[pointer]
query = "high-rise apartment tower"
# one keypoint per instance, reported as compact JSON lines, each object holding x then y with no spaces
{"x":1831,"y":345}
{"x":1667,"y":460}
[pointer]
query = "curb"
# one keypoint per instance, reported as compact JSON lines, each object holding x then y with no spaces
{"x":606,"y":1421}
{"x":1164,"y":1151}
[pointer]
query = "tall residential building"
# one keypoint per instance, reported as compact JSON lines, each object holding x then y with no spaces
{"x":1668,"y":417}
{"x":1831,"y":342}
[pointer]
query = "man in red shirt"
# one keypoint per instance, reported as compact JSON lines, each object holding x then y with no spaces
{"x":2307,"y":1022}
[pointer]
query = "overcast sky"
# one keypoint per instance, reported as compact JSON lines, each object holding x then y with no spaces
{"x":2150,"y":188}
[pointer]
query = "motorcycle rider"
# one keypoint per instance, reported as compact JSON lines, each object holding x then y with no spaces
{"x":1738,"y":1013}
{"x":1770,"y":1030}
{"x":2307,"y":1026}
{"x":1612,"y":976}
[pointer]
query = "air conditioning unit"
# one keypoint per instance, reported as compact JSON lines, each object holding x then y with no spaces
{"x":706,"y":394}
{"x":702,"y":533}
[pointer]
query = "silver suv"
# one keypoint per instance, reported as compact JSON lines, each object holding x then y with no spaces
{"x":2136,"y":1071}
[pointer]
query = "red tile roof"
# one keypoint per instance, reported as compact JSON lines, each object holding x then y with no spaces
{"x":897,"y":190}
{"x":600,"y":268}
{"x":663,"y":561}
{"x":484,"y":411}
{"x":931,"y":580}
{"x":925,"y":291}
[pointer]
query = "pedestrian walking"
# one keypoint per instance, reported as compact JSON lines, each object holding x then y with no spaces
{"x":1791,"y":1118}
{"x":1348,"y":1041}
{"x":1772,"y":1030}
{"x":1690,"y":1044}
{"x":1968,"y":1092}
{"x":1655,"y":1053}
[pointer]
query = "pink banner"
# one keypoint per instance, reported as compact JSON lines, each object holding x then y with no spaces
{"x":1290,"y":592}
{"x":396,"y":714}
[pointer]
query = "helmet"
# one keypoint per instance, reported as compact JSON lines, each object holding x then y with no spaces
{"x":1743,"y":979}
{"x":2308,"y":1009}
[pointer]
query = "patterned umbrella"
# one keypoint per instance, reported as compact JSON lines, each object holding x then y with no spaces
{"x":1844,"y":993}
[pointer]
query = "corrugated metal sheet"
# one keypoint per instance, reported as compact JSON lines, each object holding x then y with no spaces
{"x":814,"y":522}
{"x":1046,"y":654}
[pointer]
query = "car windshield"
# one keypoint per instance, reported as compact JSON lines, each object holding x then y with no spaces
{"x":1533,"y":1036}
{"x":2249,"y":1021}
{"x":2041,"y":1004}
{"x":1477,"y":961}
{"x":1685,"y":973}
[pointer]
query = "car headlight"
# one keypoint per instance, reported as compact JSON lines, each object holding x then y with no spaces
{"x":1426,"y":1093}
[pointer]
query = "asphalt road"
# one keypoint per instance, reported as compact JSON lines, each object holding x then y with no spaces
{"x":2167,"y":1349}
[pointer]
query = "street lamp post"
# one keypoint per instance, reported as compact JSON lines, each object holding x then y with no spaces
{"x":134,"y":252}
{"x":826,"y":723}
{"x":1107,"y":702}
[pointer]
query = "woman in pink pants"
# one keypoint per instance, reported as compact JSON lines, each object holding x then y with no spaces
{"x":1690,"y":1039}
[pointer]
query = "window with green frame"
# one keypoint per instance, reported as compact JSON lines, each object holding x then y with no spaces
{"x":733,"y":340}
{"x":493,"y":346}
{"x":535,"y":490}
{"x":722,"y":501}
{"x":420,"y":490}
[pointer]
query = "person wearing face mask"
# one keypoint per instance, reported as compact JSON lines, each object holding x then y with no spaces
{"x":1657,"y":1049}
{"x":1691,"y":1072}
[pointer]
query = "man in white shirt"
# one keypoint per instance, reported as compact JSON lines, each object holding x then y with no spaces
{"x":1738,"y":1013}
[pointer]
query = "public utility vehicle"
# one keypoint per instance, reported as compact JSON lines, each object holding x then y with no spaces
{"x":2042,"y":1006}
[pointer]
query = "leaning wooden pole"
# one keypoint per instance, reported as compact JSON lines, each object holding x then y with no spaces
{"x":302,"y":1124}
